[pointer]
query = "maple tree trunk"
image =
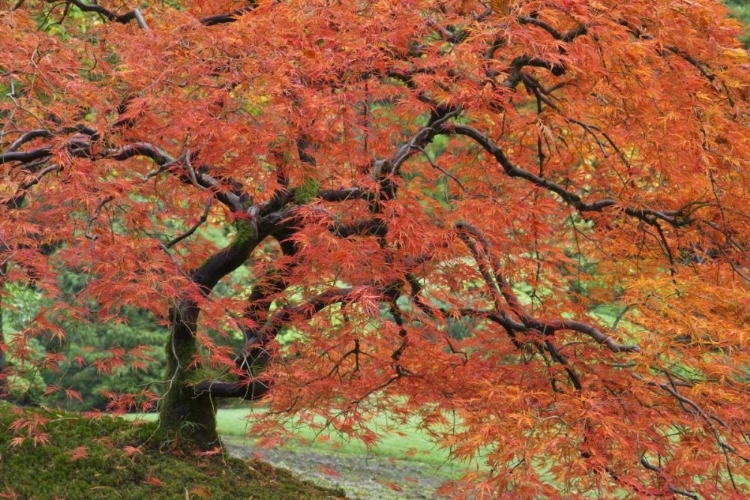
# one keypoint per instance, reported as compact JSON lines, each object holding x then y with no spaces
{"x":185,"y":412}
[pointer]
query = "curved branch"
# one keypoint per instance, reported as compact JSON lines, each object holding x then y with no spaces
{"x":495,"y":279}
{"x":94,"y":216}
{"x":229,"y":17}
{"x":594,"y":333}
{"x":110,"y":15}
{"x":137,"y":15}
{"x":25,"y":156}
{"x":650,"y":216}
{"x":673,"y":489}
{"x":27,"y":137}
{"x":17,"y":199}
{"x":421,"y":138}
{"x":569,"y":36}
{"x":194,"y":227}
{"x":80,"y":146}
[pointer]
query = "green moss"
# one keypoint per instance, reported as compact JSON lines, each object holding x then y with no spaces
{"x":307,"y":191}
{"x":93,"y":459}
{"x":245,"y":232}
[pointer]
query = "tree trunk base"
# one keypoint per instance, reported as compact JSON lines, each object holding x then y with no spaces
{"x":186,"y":415}
{"x":189,"y":418}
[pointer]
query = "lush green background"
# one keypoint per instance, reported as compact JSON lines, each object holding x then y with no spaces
{"x":84,"y":351}
{"x":741,"y":10}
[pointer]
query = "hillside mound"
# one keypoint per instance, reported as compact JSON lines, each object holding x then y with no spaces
{"x":47,"y":454}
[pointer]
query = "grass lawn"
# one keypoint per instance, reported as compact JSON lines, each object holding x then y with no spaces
{"x":411,"y":444}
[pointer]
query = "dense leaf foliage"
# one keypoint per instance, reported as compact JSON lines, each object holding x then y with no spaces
{"x":524,"y":223}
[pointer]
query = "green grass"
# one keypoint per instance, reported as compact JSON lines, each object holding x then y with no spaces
{"x":410,"y":443}
{"x":113,"y":458}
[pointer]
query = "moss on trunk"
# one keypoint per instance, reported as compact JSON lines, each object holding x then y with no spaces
{"x":307,"y":191}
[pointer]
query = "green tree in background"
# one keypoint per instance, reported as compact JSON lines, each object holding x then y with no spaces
{"x":741,"y":10}
{"x":69,"y":371}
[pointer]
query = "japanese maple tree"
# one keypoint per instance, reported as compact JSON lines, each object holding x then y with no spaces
{"x":524,"y":224}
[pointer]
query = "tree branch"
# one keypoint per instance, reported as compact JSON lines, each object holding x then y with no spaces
{"x":17,"y":199}
{"x":92,"y":219}
{"x":229,"y":17}
{"x":495,"y":279}
{"x":569,"y":36}
{"x":27,"y":137}
{"x":25,"y":156}
{"x":675,"y":218}
{"x":249,"y":390}
{"x":110,"y":15}
{"x":194,"y":227}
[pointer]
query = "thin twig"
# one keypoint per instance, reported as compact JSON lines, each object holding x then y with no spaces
{"x":194,"y":227}
{"x":438,"y":167}
{"x":97,"y":212}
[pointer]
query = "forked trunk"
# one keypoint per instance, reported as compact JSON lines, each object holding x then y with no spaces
{"x":187,"y":410}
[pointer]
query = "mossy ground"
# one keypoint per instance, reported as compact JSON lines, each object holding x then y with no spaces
{"x":111,"y":458}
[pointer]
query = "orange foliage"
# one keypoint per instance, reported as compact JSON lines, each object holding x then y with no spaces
{"x":563,"y":183}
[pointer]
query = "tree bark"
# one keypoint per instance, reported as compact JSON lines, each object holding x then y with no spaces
{"x":185,"y":413}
